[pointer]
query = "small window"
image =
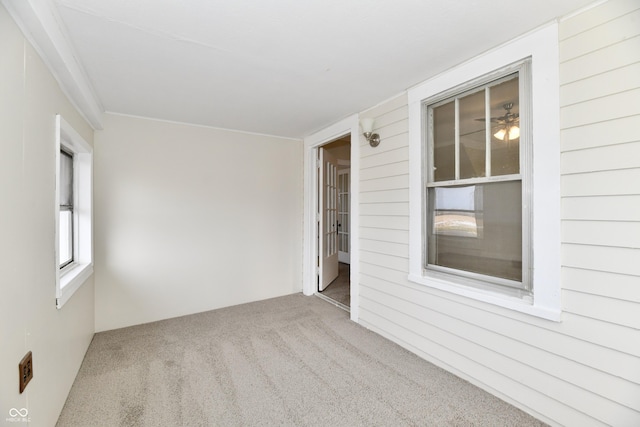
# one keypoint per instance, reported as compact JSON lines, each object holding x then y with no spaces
{"x":475,"y":143}
{"x":73,"y":210}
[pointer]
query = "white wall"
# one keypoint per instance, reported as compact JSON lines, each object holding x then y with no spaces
{"x":190,"y":219}
{"x":583,"y":370}
{"x":29,"y":320}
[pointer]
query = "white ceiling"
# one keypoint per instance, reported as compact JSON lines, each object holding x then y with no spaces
{"x":280,"y":67}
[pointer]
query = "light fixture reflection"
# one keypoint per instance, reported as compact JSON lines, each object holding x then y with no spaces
{"x":503,"y":135}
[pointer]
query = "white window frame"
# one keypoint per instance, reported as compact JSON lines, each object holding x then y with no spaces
{"x":542,"y":47}
{"x":70,"y":278}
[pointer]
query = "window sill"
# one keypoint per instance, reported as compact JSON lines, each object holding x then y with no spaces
{"x":512,"y":302}
{"x":71,"y":279}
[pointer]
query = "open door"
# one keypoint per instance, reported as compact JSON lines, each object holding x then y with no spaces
{"x":328,"y":218}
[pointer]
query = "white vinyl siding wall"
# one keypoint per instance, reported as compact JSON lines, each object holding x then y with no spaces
{"x":584,"y":369}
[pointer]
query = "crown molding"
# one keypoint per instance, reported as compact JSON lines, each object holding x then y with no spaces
{"x":42,"y":26}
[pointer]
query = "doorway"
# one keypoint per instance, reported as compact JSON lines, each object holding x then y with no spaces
{"x":347,"y":126}
{"x":334,"y":221}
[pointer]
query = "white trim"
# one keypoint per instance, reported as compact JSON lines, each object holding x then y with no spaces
{"x":542,"y":47}
{"x":350,"y":126}
{"x":70,"y":278}
{"x":42,"y":26}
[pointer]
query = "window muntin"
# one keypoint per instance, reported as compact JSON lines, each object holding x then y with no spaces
{"x":66,"y":215}
{"x":475,"y":223}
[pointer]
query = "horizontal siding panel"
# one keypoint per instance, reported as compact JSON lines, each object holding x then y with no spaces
{"x":389,"y":183}
{"x":391,"y":236}
{"x":394,"y":129}
{"x":502,"y":367}
{"x":391,"y":169}
{"x":606,"y":183}
{"x":390,"y":105}
{"x":601,"y":109}
{"x":620,"y":312}
{"x":388,"y":222}
{"x":596,"y":16}
{"x":391,"y":196}
{"x":605,"y":334}
{"x":392,"y":116}
{"x":620,"y":55}
{"x":609,"y":208}
{"x":621,"y":156}
{"x":602,"y":258}
{"x":502,"y":386}
{"x":390,"y":143}
{"x":385,"y":248}
{"x":602,"y":233}
{"x":383,"y":158}
{"x":601,"y":36}
{"x":557,"y":338}
{"x":601,"y":283}
{"x":379,"y":272}
{"x":531,"y":357}
{"x":392,"y":209}
{"x":389,"y":261}
{"x":617,"y":81}
{"x":612,"y":132}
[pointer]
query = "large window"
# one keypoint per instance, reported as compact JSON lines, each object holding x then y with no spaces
{"x":476,"y":139}
{"x":73,"y":210}
{"x":484,"y":181}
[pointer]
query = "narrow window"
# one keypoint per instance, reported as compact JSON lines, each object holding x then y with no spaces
{"x":73,"y":211}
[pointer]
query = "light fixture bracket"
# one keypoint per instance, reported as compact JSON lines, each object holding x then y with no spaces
{"x":372,"y":138}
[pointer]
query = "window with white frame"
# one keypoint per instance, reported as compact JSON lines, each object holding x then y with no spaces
{"x":485,"y":177}
{"x":73,"y":210}
{"x":476,"y":140}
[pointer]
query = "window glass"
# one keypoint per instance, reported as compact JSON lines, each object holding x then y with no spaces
{"x":477,"y":229}
{"x":505,"y":128}
{"x":66,"y":209}
{"x":472,"y":135}
{"x":66,"y":179}
{"x":66,"y":237}
{"x":444,"y":135}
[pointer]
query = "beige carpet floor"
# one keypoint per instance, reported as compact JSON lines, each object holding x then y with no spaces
{"x":289,"y":361}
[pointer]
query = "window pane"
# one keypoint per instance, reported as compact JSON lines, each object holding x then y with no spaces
{"x":477,"y":228}
{"x":66,"y":237}
{"x":505,"y":131}
{"x":66,"y":179}
{"x":444,"y":156}
{"x":472,"y":136}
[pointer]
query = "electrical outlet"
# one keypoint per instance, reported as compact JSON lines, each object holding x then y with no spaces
{"x":25,"y":368}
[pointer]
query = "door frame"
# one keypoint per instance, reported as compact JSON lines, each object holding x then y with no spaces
{"x":349,"y":125}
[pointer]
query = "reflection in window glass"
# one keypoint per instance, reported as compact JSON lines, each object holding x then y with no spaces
{"x":505,"y":130}
{"x":477,"y":229}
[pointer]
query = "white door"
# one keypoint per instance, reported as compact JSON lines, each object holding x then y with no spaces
{"x":343,"y":215}
{"x":328,"y":219}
